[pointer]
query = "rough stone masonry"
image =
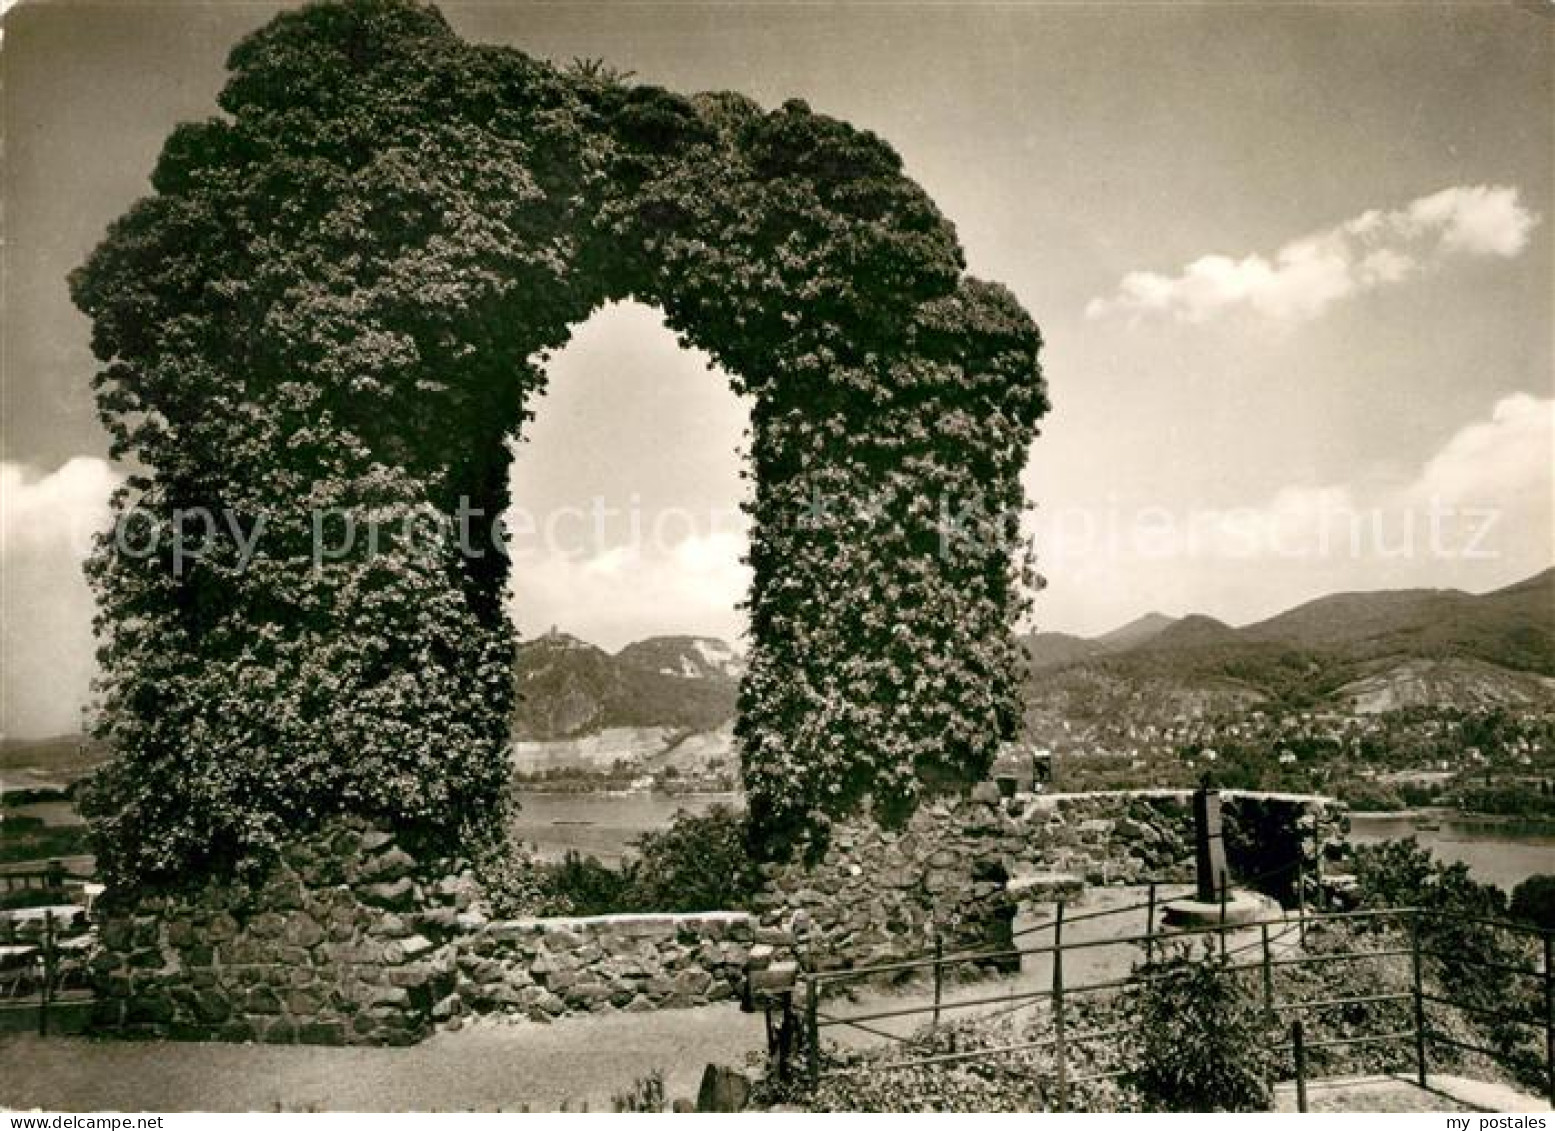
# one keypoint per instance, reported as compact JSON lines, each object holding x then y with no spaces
{"x":350,"y":940}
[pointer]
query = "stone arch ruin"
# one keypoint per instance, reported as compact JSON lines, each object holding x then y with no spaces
{"x":317,"y":335}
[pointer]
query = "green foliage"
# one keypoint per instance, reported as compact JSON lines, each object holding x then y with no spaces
{"x":1200,"y":1038}
{"x":326,"y":307}
{"x":581,"y":885}
{"x":697,"y":863}
{"x":1533,"y":900}
{"x":515,"y":882}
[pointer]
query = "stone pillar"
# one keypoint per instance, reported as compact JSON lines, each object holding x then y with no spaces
{"x":1209,"y":849}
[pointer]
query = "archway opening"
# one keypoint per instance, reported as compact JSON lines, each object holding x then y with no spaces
{"x":626,"y":537}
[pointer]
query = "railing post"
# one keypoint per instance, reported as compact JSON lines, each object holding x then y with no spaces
{"x":48,"y":973}
{"x":1549,"y":1013}
{"x":939,"y":972}
{"x":787,"y":1024}
{"x":1301,"y":899}
{"x":1150,"y":927}
{"x":1060,"y":1048}
{"x":812,"y":1027}
{"x":1299,"y":1051}
{"x":1268,"y":972}
{"x":1225,"y":894}
{"x":1419,"y":988}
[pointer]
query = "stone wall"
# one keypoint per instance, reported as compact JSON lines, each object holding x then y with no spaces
{"x":1142,"y":835}
{"x":325,"y":950}
{"x":544,"y":968}
{"x":879,"y":896}
{"x":349,"y":941}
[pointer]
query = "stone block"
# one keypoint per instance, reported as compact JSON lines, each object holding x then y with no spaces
{"x":397,"y":896}
{"x":724,"y":1089}
{"x":394,"y":864}
{"x":984,"y":793}
{"x":562,"y":939}
{"x":777,"y":977}
{"x":693,"y":982}
{"x":321,"y":1033}
{"x":302,"y":930}
{"x":262,"y":1000}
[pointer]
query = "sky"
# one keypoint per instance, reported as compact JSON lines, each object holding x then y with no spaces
{"x":1293,"y":267}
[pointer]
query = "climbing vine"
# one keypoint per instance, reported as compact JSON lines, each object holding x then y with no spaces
{"x":318,"y":333}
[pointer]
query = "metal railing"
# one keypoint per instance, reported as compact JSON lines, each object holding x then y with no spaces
{"x":1257,"y":955}
{"x":41,"y":959}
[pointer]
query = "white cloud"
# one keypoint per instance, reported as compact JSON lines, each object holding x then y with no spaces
{"x":1494,"y":461}
{"x":1309,"y":274}
{"x":46,"y":527}
{"x":1477,"y":514}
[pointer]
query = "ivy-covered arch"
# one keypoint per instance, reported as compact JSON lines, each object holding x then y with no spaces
{"x":333,"y":312}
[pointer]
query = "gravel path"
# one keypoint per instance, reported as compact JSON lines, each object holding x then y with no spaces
{"x":484,"y":1067}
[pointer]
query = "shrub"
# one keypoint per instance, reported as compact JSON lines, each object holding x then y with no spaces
{"x":1200,"y":1041}
{"x":582,"y":885}
{"x":698,"y":863}
{"x":516,"y":883}
{"x":1534,"y":900}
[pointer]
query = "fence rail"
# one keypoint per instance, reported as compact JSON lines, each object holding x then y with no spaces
{"x":42,"y":961}
{"x":1420,"y":1033}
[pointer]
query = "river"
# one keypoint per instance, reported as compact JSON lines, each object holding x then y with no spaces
{"x":602,"y":824}
{"x":1497,"y":853}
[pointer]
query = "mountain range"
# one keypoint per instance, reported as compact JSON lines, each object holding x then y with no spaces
{"x":1356,"y":652}
{"x":568,"y":688}
{"x":670,"y":700}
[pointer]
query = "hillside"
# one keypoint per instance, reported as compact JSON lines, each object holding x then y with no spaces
{"x":1135,"y":632}
{"x":1466,"y":683}
{"x":1512,"y":627}
{"x":1055,"y":649}
{"x":568,"y":688}
{"x":1361,"y":652}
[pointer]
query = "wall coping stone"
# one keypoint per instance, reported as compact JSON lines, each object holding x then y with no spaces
{"x":649,"y":919}
{"x":1253,"y":794}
